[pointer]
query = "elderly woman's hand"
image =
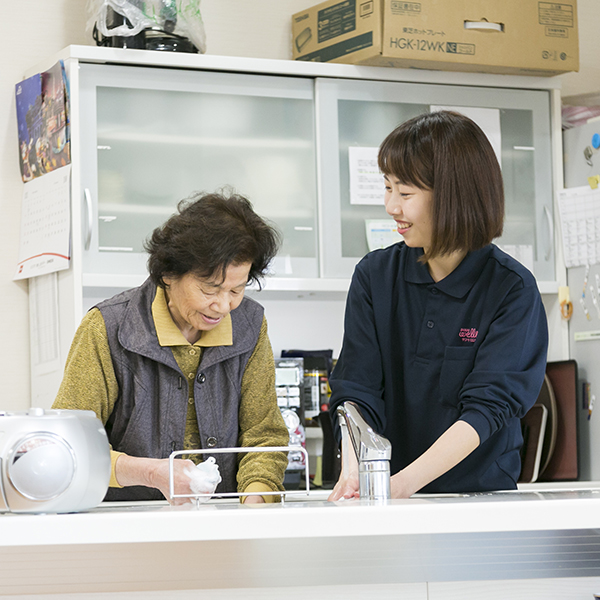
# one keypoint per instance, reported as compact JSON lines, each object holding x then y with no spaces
{"x":154,"y":472}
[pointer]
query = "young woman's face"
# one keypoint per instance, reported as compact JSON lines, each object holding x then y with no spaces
{"x":200,"y":304}
{"x":410,"y":207}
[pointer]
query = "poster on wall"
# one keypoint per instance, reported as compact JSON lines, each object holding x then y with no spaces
{"x":43,"y":122}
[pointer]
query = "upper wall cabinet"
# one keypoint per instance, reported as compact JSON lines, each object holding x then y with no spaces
{"x":152,"y":137}
{"x":362,"y":113}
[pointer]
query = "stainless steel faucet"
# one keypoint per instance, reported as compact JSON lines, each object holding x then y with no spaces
{"x":373,"y":452}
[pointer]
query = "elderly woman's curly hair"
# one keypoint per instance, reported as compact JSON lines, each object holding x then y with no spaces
{"x":210,"y":232}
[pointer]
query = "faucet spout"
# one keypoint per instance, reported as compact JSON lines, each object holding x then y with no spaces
{"x":373,"y":453}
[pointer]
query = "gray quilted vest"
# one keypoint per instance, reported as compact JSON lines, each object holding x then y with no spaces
{"x":149,"y":416}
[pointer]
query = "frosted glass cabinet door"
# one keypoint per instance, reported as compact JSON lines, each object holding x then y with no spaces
{"x":360,"y":114}
{"x":152,"y":137}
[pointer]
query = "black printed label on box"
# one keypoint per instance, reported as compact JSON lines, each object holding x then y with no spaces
{"x":340,"y":49}
{"x":559,"y":32}
{"x":551,"y":13}
{"x":366,"y":9}
{"x":336,"y":20}
{"x":458,"y":48}
{"x":405,"y":8}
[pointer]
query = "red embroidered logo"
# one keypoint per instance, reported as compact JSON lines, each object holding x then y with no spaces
{"x":468,"y":335}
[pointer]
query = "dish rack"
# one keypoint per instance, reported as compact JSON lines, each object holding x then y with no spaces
{"x":197,"y":497}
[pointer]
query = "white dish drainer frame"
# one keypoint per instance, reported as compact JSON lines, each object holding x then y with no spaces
{"x":197,"y":497}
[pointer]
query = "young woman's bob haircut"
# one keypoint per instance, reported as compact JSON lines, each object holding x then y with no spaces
{"x":448,"y":154}
{"x":209,"y":233}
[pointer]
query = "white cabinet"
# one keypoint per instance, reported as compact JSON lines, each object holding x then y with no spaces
{"x":150,"y":137}
{"x":362,"y":113}
{"x":149,"y":128}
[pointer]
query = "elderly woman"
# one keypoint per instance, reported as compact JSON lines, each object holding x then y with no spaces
{"x":184,"y":361}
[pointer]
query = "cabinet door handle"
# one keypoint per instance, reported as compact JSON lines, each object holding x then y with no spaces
{"x":550,"y":223}
{"x":90,"y":222}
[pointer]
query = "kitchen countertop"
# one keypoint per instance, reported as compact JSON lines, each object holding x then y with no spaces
{"x":530,"y":533}
{"x":522,"y":510}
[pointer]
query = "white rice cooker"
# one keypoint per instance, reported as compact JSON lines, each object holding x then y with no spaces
{"x":52,"y":461}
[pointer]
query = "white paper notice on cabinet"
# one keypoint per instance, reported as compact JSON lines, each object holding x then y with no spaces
{"x":521,"y":252}
{"x":381,"y":234}
{"x":579,"y":209}
{"x":367,"y":185}
{"x":45,"y":225}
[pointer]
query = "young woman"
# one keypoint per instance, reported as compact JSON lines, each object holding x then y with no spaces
{"x":445,"y":338}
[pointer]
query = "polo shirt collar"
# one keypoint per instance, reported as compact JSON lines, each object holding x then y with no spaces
{"x":169,"y":334}
{"x":459,"y":282}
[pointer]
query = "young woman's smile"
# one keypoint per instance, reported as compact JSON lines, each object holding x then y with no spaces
{"x":410,"y":207}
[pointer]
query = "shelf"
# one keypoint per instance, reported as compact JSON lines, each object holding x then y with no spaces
{"x":284,"y":286}
{"x":107,"y":209}
{"x":124,"y":281}
{"x":305,"y":287}
{"x":265,"y":66}
{"x":209,"y":142}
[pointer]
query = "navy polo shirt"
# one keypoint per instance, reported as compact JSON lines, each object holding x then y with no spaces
{"x":418,"y":355}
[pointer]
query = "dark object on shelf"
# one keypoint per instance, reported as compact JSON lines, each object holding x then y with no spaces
{"x":292,"y":479}
{"x":557,"y":455}
{"x":548,"y":399}
{"x":162,"y":40}
{"x":533,"y":425}
{"x":326,"y":354}
{"x":554,"y":445}
{"x":317,"y":368}
{"x":331,"y":463}
{"x":147,"y":39}
{"x":563,"y":464}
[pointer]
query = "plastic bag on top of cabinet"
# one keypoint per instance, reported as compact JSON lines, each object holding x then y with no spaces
{"x":127,"y":18}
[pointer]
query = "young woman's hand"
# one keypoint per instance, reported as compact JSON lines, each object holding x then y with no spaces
{"x":400,"y":487}
{"x":347,"y":485}
{"x":345,"y":488}
{"x":453,"y":446}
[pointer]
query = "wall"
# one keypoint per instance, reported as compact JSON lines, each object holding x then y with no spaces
{"x":34,"y":29}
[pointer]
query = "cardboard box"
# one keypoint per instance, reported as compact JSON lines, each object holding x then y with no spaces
{"x":523,"y":37}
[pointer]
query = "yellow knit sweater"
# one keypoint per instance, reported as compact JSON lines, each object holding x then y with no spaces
{"x":89,"y":383}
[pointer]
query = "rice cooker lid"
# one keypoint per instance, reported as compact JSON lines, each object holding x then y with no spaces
{"x":40,"y":463}
{"x":41,"y":466}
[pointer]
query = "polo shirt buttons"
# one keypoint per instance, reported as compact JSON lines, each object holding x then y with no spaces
{"x":211,"y":442}
{"x":430,"y":324}
{"x":190,"y":375}
{"x":201,"y":378}
{"x":190,"y":401}
{"x":434,"y":291}
{"x":193,"y":351}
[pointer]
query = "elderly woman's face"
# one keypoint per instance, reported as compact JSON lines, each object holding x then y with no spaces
{"x":198,"y":304}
